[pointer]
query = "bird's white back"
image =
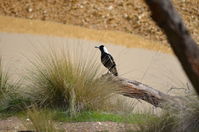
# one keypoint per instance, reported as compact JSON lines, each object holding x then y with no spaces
{"x":105,"y":50}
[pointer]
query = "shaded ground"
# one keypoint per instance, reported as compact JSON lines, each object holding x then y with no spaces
{"x":131,"y":16}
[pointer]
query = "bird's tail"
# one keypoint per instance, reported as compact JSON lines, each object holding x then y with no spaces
{"x":113,"y":70}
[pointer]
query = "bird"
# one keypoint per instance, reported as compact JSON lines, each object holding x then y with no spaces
{"x":107,"y":60}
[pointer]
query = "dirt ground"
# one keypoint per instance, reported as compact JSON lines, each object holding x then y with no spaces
{"x":14,"y":124}
{"x":131,"y":16}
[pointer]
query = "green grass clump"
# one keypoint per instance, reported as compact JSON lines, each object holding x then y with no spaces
{"x":65,"y":80}
{"x":45,"y":119}
{"x":11,"y":100}
{"x":93,"y":116}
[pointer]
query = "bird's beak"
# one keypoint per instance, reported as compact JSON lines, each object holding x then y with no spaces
{"x":96,"y":47}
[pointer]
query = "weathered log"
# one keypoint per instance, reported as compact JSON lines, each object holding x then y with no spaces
{"x":138,"y":90}
{"x":184,"y":47}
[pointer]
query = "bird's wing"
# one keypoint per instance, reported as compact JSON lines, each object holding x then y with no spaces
{"x":112,"y":60}
{"x":113,"y":67}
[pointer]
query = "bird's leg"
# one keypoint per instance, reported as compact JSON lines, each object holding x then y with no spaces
{"x":108,"y":72}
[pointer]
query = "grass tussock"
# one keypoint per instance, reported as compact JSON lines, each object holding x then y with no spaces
{"x":176,"y":119}
{"x":68,"y":80}
{"x":188,"y":118}
{"x":10,"y":98}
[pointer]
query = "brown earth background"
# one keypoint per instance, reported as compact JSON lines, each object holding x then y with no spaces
{"x":130,"y":16}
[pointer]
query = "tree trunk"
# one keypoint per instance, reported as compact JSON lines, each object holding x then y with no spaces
{"x":184,"y":47}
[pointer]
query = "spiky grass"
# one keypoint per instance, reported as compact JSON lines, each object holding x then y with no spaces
{"x":10,"y":99}
{"x":64,"y":79}
{"x":164,"y":123}
{"x":176,"y":119}
{"x":40,"y":121}
{"x":3,"y":80}
{"x":188,"y":118}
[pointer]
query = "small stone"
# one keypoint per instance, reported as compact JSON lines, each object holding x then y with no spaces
{"x":110,"y":8}
{"x":140,"y":16}
{"x":30,"y":9}
{"x":125,"y":15}
{"x":99,"y":123}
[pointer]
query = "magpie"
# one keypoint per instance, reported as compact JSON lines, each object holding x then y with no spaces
{"x":107,"y":60}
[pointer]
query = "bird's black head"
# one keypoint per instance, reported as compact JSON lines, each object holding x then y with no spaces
{"x":102,"y":48}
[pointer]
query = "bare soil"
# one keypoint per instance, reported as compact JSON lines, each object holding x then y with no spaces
{"x":131,"y":16}
{"x":14,"y":124}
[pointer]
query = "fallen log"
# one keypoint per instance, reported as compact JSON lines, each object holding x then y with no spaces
{"x":138,"y":90}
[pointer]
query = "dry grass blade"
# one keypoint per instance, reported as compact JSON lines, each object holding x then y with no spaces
{"x":3,"y":80}
{"x":41,"y":121}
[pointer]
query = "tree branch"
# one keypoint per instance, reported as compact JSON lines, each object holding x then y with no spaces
{"x":185,"y":48}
